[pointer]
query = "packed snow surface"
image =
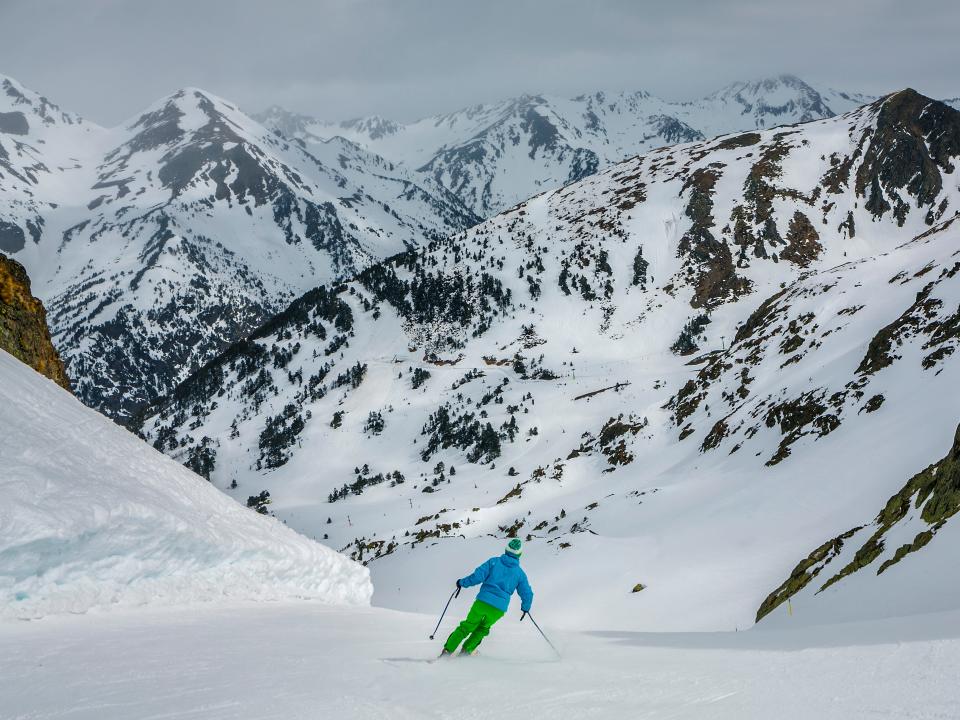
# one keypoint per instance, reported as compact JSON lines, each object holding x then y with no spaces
{"x":93,"y":516}
{"x":291,"y":661}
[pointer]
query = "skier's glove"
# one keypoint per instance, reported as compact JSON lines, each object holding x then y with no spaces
{"x":458,"y":584}
{"x":523,"y":615}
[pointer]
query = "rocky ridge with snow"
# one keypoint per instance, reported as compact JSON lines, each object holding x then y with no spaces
{"x":912,"y":517}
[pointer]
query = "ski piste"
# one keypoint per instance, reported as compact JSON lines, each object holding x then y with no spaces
{"x":363,"y":663}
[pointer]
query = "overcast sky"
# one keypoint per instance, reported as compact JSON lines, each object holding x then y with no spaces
{"x":108,"y":59}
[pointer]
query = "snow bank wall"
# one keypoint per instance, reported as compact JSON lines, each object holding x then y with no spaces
{"x":92,"y":516}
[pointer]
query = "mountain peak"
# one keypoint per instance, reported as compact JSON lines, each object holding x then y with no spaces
{"x":18,"y":103}
{"x":907,"y":95}
{"x":179,"y":114}
{"x":913,"y":143}
{"x":764,"y":86}
{"x":374,"y":126}
{"x":202,"y":100}
{"x":910,"y":109}
{"x":191,"y":99}
{"x":783,"y":99}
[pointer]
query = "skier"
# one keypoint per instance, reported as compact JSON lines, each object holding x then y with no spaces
{"x":500,"y":577}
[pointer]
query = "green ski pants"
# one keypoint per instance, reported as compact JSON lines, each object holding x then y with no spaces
{"x":475,"y":628}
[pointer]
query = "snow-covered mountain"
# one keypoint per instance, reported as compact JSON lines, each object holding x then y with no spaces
{"x":674,"y":378}
{"x":157,"y":243}
{"x":494,"y":156}
{"x":42,"y":150}
{"x":93,"y":517}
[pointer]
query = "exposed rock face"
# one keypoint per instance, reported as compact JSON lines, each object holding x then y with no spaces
{"x":23,"y":324}
{"x":915,"y":142}
{"x":717,"y":280}
{"x":803,"y":242}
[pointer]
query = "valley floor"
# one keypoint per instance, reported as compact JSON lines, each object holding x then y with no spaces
{"x":287,"y":660}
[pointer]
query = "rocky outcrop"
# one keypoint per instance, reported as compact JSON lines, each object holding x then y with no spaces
{"x":934,"y":492}
{"x":914,"y":143}
{"x":717,"y":279}
{"x":23,"y":324}
{"x":803,"y":242}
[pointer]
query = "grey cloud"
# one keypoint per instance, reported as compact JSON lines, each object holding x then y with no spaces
{"x":107,"y":59}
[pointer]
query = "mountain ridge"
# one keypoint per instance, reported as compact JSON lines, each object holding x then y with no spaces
{"x":158,"y":243}
{"x":566,"y":139}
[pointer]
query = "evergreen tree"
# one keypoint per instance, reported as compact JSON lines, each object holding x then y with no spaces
{"x":259,"y":502}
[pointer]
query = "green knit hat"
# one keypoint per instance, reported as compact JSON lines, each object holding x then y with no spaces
{"x":515,"y":547}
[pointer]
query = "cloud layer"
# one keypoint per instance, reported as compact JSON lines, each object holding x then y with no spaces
{"x":107,"y":59}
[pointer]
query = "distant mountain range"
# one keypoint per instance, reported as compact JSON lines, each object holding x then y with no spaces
{"x":494,"y":156}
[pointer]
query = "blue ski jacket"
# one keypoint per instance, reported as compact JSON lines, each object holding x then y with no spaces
{"x":501,"y":577}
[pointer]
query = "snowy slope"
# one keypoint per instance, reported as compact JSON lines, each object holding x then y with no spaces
{"x":157,"y":243}
{"x":494,"y":156}
{"x":888,"y":566}
{"x":92,"y":517}
{"x":300,"y":661}
{"x":657,"y":375}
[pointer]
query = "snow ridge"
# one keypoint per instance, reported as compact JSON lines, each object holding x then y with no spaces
{"x":92,"y":517}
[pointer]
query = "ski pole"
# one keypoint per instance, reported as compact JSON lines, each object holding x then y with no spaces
{"x":455,"y":593}
{"x":541,"y":632}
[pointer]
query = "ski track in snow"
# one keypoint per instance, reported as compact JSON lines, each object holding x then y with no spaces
{"x":301,"y":660}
